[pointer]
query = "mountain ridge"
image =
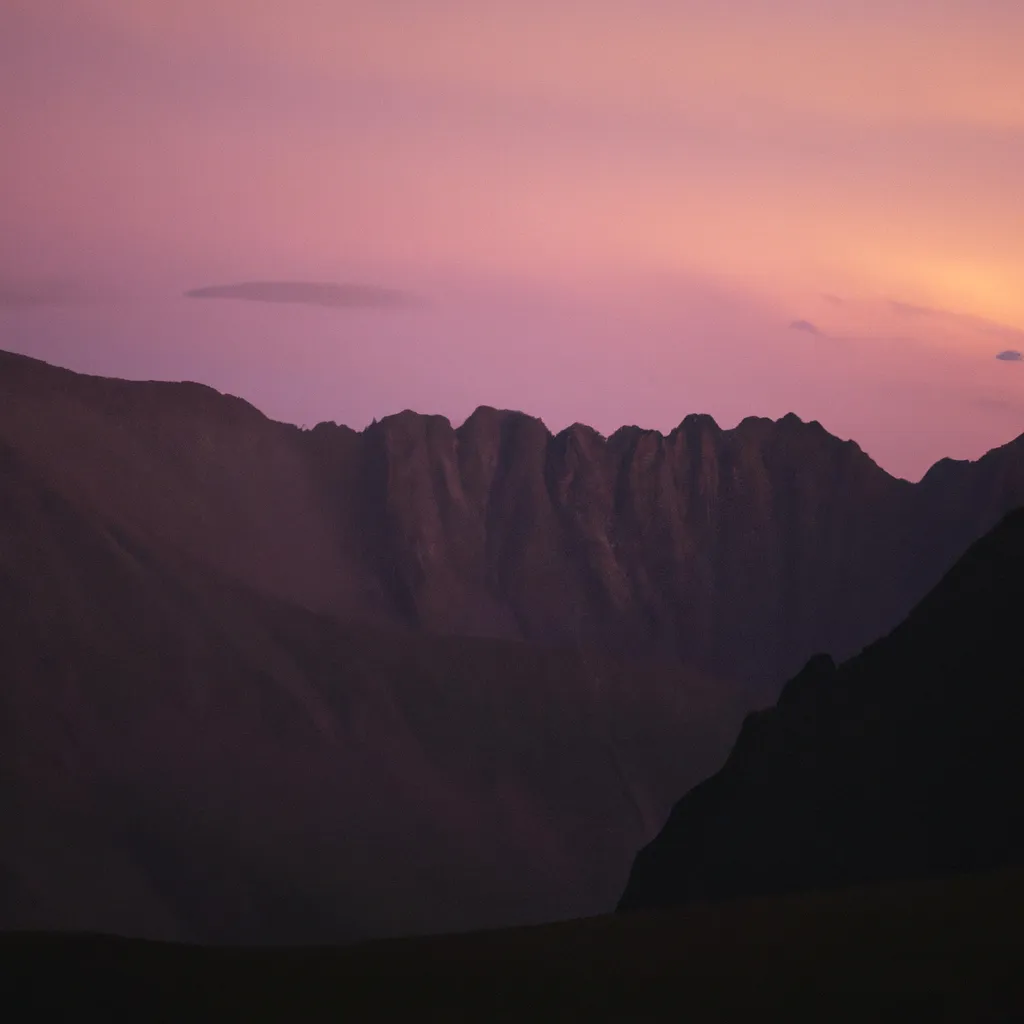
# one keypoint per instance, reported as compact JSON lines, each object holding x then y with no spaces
{"x":741,"y":551}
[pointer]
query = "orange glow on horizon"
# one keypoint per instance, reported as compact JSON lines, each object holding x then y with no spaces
{"x":762,"y":153}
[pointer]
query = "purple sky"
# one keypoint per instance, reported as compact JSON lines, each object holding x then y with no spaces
{"x":616,"y":212}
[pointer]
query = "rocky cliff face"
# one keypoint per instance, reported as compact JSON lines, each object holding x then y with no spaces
{"x":905,"y":761}
{"x":186,"y":758}
{"x":741,"y":551}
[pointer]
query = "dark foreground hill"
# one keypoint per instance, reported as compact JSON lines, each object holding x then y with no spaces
{"x":945,"y":950}
{"x":740,"y":551}
{"x":906,"y":761}
{"x":186,"y":758}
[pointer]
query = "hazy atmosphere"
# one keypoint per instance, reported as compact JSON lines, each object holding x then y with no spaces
{"x":512,"y":509}
{"x":610,"y":213}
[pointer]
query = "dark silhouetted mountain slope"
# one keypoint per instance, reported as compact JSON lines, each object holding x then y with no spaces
{"x":906,"y":761}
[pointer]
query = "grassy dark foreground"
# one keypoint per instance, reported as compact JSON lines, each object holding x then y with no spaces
{"x":936,"y":950}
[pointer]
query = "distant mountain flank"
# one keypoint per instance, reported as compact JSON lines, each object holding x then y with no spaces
{"x":186,"y":758}
{"x":311,"y":293}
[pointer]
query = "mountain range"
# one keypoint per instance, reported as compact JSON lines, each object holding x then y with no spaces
{"x":741,"y":552}
{"x":265,"y":684}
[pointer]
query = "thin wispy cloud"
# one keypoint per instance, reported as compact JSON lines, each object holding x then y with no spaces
{"x":957,"y":320}
{"x":311,"y":293}
{"x":909,"y":309}
{"x":30,"y":294}
{"x":999,"y":405}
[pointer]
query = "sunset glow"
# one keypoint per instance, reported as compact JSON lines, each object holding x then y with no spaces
{"x":680,"y":181}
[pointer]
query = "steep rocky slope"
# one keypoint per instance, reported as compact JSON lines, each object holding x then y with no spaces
{"x":906,"y":761}
{"x":186,"y":758}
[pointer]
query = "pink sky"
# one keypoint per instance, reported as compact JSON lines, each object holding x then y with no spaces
{"x":616,"y":210}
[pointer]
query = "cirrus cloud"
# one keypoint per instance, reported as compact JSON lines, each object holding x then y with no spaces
{"x":20,"y":294}
{"x":310,"y":293}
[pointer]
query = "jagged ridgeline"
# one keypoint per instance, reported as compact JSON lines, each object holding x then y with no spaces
{"x":739,"y":551}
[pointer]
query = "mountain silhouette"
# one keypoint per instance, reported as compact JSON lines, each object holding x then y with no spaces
{"x":905,"y":761}
{"x":263,"y":684}
{"x":741,"y":552}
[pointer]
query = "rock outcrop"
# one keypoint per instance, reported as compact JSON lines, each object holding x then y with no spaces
{"x":904,"y":762}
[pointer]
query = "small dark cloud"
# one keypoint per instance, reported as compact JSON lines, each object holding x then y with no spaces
{"x":1010,"y":355}
{"x":807,"y":327}
{"x":29,"y":294}
{"x":310,"y":293}
{"x":834,"y":299}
